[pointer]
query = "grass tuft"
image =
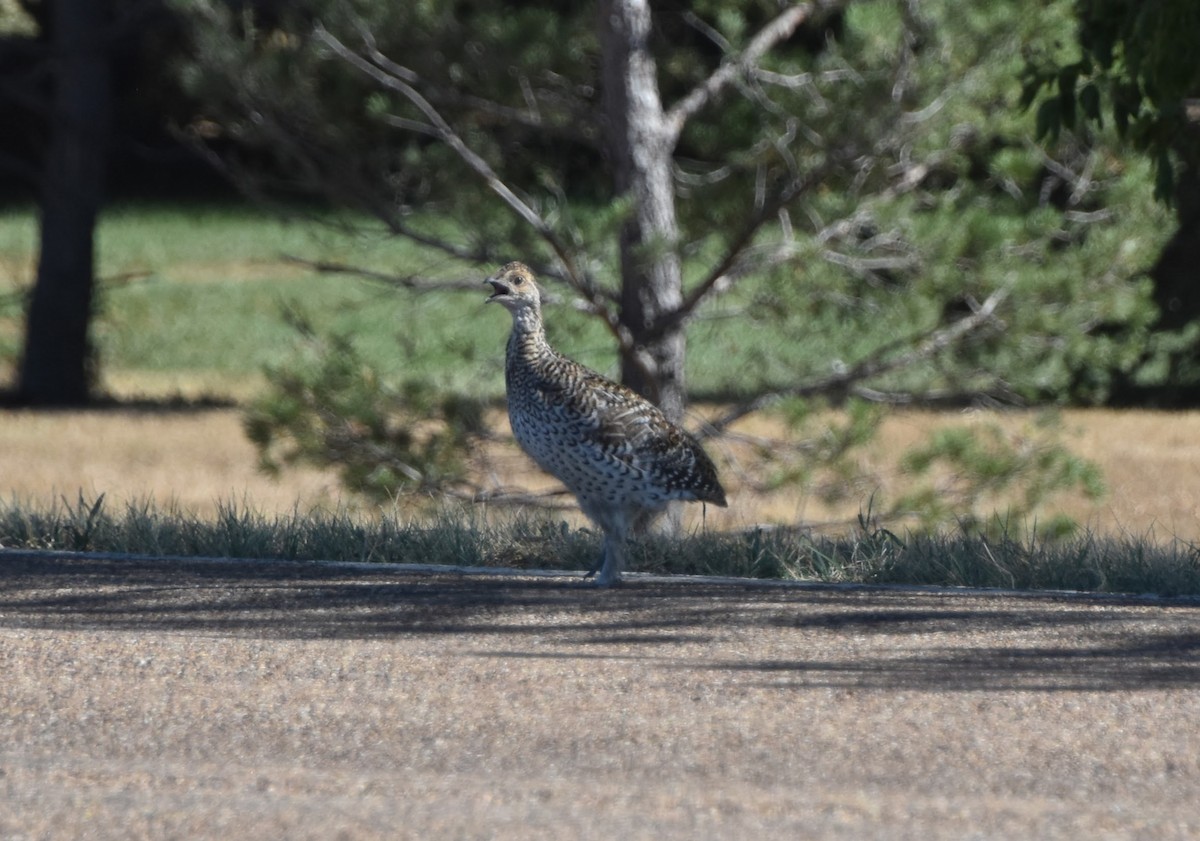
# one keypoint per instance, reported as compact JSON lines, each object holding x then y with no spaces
{"x":1090,"y":562}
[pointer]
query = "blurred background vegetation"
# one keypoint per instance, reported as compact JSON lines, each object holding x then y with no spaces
{"x":984,"y":206}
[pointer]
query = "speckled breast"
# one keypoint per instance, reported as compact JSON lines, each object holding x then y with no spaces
{"x":561,"y":447}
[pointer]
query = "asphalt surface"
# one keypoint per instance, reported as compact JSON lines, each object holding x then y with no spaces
{"x":206,"y":700}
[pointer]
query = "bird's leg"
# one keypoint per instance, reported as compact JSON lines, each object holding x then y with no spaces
{"x":613,"y":559}
{"x":600,"y":561}
{"x":605,"y":554}
{"x":603,"y":560}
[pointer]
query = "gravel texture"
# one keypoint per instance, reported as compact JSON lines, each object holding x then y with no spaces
{"x":229,"y":700}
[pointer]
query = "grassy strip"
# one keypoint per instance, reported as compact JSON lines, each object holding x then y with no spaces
{"x":1089,"y":562}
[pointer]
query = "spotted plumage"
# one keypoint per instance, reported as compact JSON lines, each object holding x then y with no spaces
{"x":614,"y":450}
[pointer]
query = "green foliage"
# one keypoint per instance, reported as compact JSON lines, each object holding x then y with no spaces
{"x":930,"y":197}
{"x":329,"y":408}
{"x":1134,"y":61}
{"x":1067,"y":232}
{"x":823,"y":449}
{"x":325,"y":129}
{"x":879,"y":90}
{"x":14,"y":20}
{"x":974,"y":476}
{"x":982,"y":477}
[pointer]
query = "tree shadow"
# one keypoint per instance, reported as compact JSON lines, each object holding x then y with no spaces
{"x":1153,"y":661}
{"x":177,"y":404}
{"x":845,"y":638}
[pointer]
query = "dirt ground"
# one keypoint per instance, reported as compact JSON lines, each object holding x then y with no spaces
{"x":1150,"y":460}
{"x":199,"y":700}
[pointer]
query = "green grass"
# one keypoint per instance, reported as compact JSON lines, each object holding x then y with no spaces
{"x":204,"y":289}
{"x":461,"y":538}
{"x":201,"y":289}
{"x":216,"y":292}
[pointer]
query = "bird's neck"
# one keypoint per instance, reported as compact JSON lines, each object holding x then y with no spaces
{"x":528,"y":331}
{"x":527,"y":321}
{"x":527,"y":343}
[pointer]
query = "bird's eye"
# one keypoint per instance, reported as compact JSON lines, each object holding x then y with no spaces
{"x":518,"y":280}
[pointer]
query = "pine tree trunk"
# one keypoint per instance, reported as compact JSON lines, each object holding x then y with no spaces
{"x":640,"y":150}
{"x":55,"y":365}
{"x":1177,"y":296}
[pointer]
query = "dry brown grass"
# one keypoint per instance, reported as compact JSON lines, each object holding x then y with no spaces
{"x":193,"y":459}
{"x":1151,"y":462}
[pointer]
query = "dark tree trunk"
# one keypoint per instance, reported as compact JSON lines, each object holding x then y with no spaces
{"x":640,"y":148}
{"x":1176,"y":292}
{"x":56,"y":363}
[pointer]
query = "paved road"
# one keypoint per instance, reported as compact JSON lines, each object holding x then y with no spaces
{"x":202,"y":700}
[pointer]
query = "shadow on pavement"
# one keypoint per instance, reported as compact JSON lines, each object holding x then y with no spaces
{"x":935,"y":640}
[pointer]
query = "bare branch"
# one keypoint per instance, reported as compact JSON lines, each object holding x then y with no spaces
{"x":479,"y":254}
{"x":530,"y":118}
{"x":725,"y":272}
{"x":399,"y":71}
{"x":700,"y":25}
{"x":688,"y":178}
{"x":413,"y":282}
{"x":576,"y":278}
{"x":735,"y":263}
{"x":406,"y":124}
{"x":803,"y":81}
{"x":1081,"y":183}
{"x":417,"y":283}
{"x":734,"y":66}
{"x":553,"y":500}
{"x":448,"y":136}
{"x":871,"y":265}
{"x":345,"y":182}
{"x":848,"y":380}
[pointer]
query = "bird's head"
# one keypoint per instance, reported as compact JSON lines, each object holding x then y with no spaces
{"x":513,"y":286}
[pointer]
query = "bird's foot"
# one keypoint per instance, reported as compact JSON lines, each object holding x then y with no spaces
{"x":591,"y":579}
{"x":608,"y":565}
{"x":605,"y":579}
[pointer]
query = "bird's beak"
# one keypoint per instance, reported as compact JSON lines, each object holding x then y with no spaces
{"x":498,"y":289}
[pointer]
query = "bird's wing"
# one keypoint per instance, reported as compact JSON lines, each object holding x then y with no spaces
{"x":633,"y":430}
{"x":628,"y":427}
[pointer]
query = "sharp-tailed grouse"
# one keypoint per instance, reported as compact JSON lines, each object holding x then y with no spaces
{"x":614,"y":450}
